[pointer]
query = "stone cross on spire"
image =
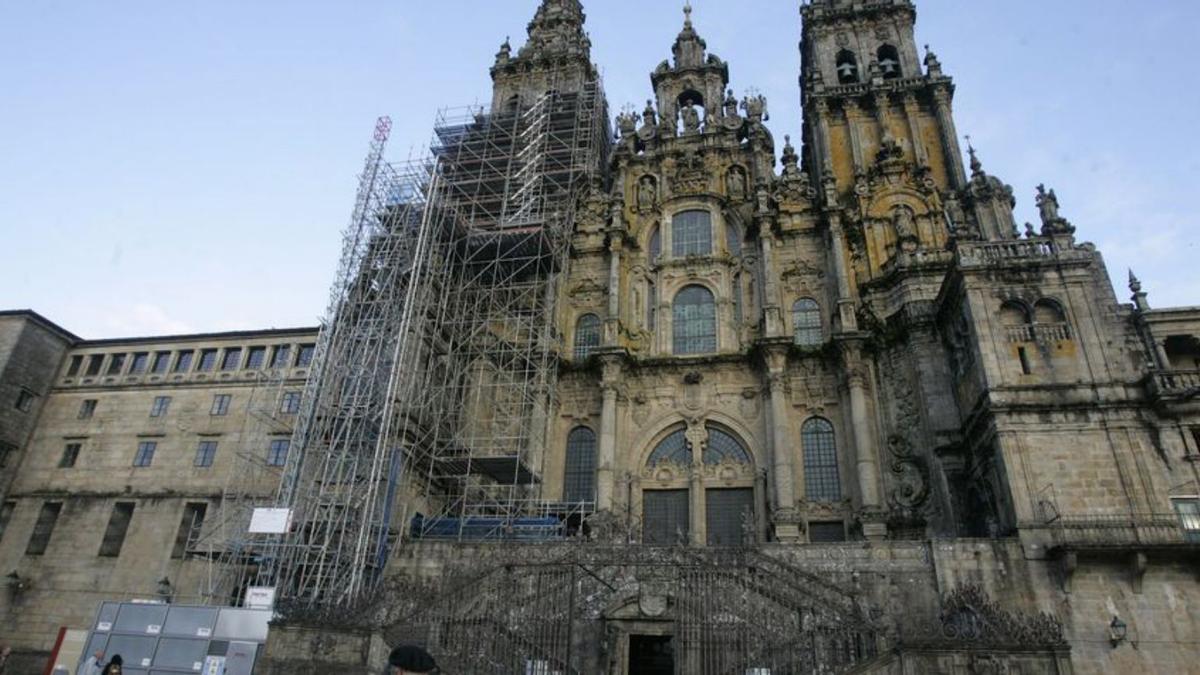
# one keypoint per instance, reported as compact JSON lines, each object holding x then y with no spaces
{"x":687,"y":13}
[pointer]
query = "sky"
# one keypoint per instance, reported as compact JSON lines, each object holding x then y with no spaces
{"x":172,"y":167}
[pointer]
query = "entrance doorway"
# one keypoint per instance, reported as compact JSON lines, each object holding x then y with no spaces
{"x":651,"y":655}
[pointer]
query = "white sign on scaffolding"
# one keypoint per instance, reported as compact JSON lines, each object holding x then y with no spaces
{"x":270,"y":521}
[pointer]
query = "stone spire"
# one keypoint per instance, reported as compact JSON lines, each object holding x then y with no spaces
{"x":1139,"y":296}
{"x":689,"y":47}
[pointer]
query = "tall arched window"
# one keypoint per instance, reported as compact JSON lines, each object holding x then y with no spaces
{"x":806,"y":323}
{"x":821,"y":481}
{"x":691,"y":234}
{"x":579,"y":477}
{"x":847,"y":67}
{"x":889,"y":62}
{"x":695,"y":321}
{"x":587,"y":336}
{"x":655,"y":244}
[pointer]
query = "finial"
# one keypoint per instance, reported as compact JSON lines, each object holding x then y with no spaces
{"x":1135,"y":284}
{"x":1139,"y":296}
{"x":976,"y":165}
{"x":687,"y":13}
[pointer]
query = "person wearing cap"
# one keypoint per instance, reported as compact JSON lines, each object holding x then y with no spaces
{"x":411,"y":660}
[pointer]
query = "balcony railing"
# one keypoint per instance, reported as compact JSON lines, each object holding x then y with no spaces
{"x":1045,"y":333}
{"x":1122,"y":531}
{"x":1182,"y":384}
{"x":992,"y":251}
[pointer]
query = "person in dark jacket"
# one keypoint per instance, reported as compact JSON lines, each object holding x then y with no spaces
{"x":114,"y":666}
{"x":411,"y":660}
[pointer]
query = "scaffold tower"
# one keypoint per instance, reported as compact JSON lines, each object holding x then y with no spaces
{"x":427,"y":407}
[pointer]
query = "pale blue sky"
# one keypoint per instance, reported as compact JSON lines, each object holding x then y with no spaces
{"x":188,"y":166}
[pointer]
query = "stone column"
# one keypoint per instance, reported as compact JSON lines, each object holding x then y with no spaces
{"x":864,"y":446}
{"x":853,"y":112}
{"x":612,"y":321}
{"x":945,"y":117}
{"x":772,"y":317}
{"x":607,"y":453}
{"x":912,"y":111}
{"x":837,"y":249}
{"x":783,"y":473}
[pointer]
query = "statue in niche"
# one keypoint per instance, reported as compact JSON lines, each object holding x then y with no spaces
{"x":735,"y":183}
{"x":906,"y":227}
{"x":731,"y":104}
{"x":647,"y":194}
{"x":691,"y":118}
{"x":650,"y":115}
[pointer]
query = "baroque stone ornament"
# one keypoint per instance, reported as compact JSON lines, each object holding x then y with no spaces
{"x":911,"y":475}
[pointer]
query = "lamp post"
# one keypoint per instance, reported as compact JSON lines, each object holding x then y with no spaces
{"x":1117,"y":631}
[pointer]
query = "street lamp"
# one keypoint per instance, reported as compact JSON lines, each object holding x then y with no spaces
{"x":1117,"y":631}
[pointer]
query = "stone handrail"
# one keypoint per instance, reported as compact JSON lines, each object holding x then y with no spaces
{"x":1174,"y":383}
{"x":1119,"y":531}
{"x":989,"y":251}
{"x":1039,"y":332}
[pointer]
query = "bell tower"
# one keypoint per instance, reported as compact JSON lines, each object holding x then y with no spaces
{"x":867,"y":90}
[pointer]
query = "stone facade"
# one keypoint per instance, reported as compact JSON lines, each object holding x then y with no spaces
{"x":853,"y":369}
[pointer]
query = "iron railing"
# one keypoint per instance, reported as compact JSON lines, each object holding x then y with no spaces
{"x":1118,"y":531}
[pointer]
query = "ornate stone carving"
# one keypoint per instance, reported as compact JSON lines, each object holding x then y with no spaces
{"x":691,"y":176}
{"x":735,"y":184}
{"x":647,"y":194}
{"x":691,"y":118}
{"x":910,"y":476}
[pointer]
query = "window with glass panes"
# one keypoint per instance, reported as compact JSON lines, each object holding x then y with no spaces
{"x":579,"y":478}
{"x":206,"y":451}
{"x":587,"y":336}
{"x":305,"y":356}
{"x":278,"y":451}
{"x":729,"y":515}
{"x":733,"y":238}
{"x":280,"y":358}
{"x":821,"y":480}
{"x":694,"y":314}
{"x":289,"y":404}
{"x":139,"y":363}
{"x":655,"y":244}
{"x":145,"y":453}
{"x":160,"y":406}
{"x":232,"y":358}
{"x":76,"y":364}
{"x":162,"y":361}
{"x":25,"y":400}
{"x":672,"y":449}
{"x":189,"y":528}
{"x":39,"y":539}
{"x":94,"y":363}
{"x":118,"y":527}
{"x":806,"y":323}
{"x":115,"y":364}
{"x":208,"y":360}
{"x":256,"y":358}
{"x":220,"y":405}
{"x":691,"y":234}
{"x":87,"y":408}
{"x":184,"y":362}
{"x":70,"y":455}
{"x":1189,"y":517}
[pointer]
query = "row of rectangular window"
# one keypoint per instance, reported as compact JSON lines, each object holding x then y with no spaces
{"x":114,"y":533}
{"x":289,"y":404}
{"x":160,"y":363}
{"x":206,"y":452}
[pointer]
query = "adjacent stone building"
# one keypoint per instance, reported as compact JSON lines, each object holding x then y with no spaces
{"x":825,"y":406}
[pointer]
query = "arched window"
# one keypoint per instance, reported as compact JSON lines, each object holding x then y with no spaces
{"x":691,"y":234}
{"x":695,"y":321}
{"x":821,"y":481}
{"x":1048,"y":312}
{"x":579,"y":477}
{"x":847,"y":67}
{"x":587,"y":336}
{"x":733,"y":238}
{"x":806,"y":323}
{"x":673,"y":449}
{"x":655,"y":244}
{"x":889,"y":62}
{"x":722,"y":446}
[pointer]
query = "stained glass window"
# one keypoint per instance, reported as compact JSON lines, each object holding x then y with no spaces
{"x":821,"y":481}
{"x":695,"y":321}
{"x":691,"y":234}
{"x":587,"y":336}
{"x":806,"y":322}
{"x":579,"y":479}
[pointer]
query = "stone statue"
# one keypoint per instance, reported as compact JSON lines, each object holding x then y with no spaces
{"x":691,"y":118}
{"x":647,"y":193}
{"x":954,"y":212}
{"x":735,"y":184}
{"x":1047,"y":203}
{"x":650,"y":115}
{"x":1029,"y":232}
{"x":905,"y":224}
{"x":731,"y":104}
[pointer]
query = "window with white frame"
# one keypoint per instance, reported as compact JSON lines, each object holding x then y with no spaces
{"x":806,"y":323}
{"x":579,"y":475}
{"x":694,"y":314}
{"x":587,"y":336}
{"x":821,"y":480}
{"x":691,"y":234}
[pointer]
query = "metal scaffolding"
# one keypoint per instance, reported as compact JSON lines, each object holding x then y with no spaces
{"x":427,"y":406}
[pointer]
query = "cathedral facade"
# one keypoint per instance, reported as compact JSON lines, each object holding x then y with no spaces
{"x":827,"y":406}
